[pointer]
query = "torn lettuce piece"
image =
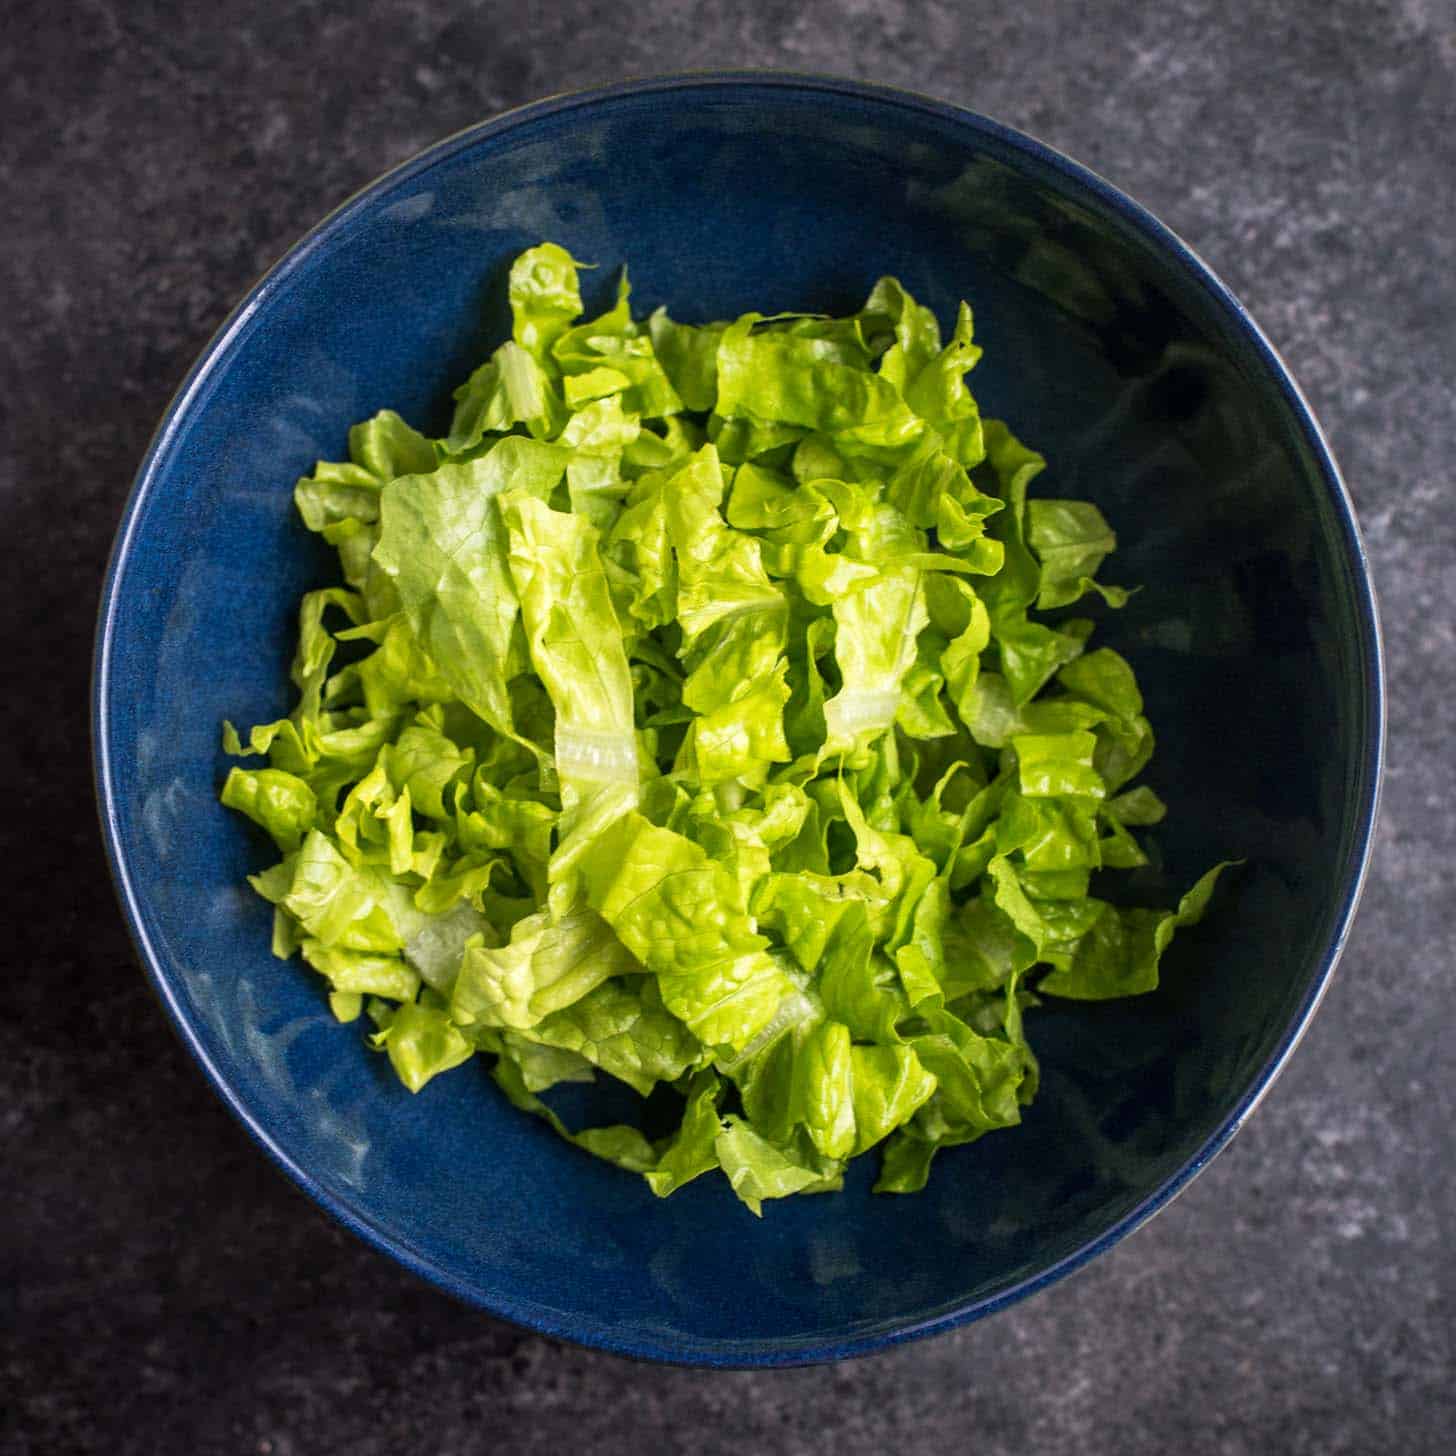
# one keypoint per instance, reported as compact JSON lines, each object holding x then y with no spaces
{"x":1120,"y":953}
{"x":443,"y":544}
{"x":624,"y":1029}
{"x":575,"y":643}
{"x":422,"y":1042}
{"x":545,"y":967}
{"x":281,"y":803}
{"x":683,"y":917}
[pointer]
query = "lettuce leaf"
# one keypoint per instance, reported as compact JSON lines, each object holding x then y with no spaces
{"x":442,"y":543}
{"x":545,"y":967}
{"x":575,"y":642}
{"x":684,"y":918}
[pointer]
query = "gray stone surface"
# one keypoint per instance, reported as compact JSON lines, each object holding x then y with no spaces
{"x":162,"y":1289}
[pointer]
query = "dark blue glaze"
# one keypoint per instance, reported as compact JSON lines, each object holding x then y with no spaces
{"x":1109,"y":346}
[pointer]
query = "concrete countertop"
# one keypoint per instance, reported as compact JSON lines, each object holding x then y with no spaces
{"x":165,"y":1290}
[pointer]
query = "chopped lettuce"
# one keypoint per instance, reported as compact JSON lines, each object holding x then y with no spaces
{"x":684,"y":718}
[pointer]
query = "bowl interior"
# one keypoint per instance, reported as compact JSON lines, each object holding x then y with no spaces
{"x":1104,"y":348}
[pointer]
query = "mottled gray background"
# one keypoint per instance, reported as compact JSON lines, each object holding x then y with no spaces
{"x":164,"y":1289}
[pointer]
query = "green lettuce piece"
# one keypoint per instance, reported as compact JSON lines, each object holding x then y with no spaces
{"x":438,"y":944}
{"x":339,"y":492}
{"x":543,"y":1067}
{"x":282,"y":803}
{"x":614,"y":344}
{"x":987,"y":709}
{"x":805,"y":728}
{"x":1030,"y":652}
{"x":905,"y":1167}
{"x":511,"y":388}
{"x":689,"y":357}
{"x":858,"y":986}
{"x":546,"y":966}
{"x":380,"y":449}
{"x":422,"y":1042}
{"x":339,"y":904}
{"x":620,"y":1144}
{"x":424,"y":762}
{"x":517,"y":385}
{"x":879,"y":620}
{"x":626,"y":1031}
{"x":938,"y":392}
{"x":1052,"y":928}
{"x":452,"y":882}
{"x":804,"y":909}
{"x":687,"y":715}
{"x":985,"y":949}
{"x":747,"y":839}
{"x":768,"y":375}
{"x":739,"y":738}
{"x":665,"y":444}
{"x":904,"y":874}
{"x":742,"y":440}
{"x":683,"y":917}
{"x":822,"y":1090}
{"x":1105,"y":681}
{"x":891,"y":1084}
{"x":1049,"y":834}
{"x":601,"y":429}
{"x":982,"y":1082}
{"x":316,"y":648}
{"x":516,"y":822}
{"x":959,"y":612}
{"x":915,"y":329}
{"x":1120,"y":953}
{"x":758,"y":1169}
{"x":1137,"y":807}
{"x":921,"y":713}
{"x":1071,"y":540}
{"x":1052,"y":764}
{"x":346,"y":1005}
{"x":387,"y":447}
{"x":443,"y":544}
{"x":977,"y":1079}
{"x":932,"y":488}
{"x":399,"y":672}
{"x":693,"y":1149}
{"x":361,"y":972}
{"x":734,"y":622}
{"x":720,"y":571}
{"x":375,"y":823}
{"x":545,"y":297}
{"x":876,"y":627}
{"x":638,"y":552}
{"x":575,"y":642}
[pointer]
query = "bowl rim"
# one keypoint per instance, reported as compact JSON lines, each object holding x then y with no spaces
{"x":727,"y":1353}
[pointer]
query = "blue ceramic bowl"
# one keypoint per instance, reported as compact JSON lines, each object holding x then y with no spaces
{"x":1108,"y":345}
